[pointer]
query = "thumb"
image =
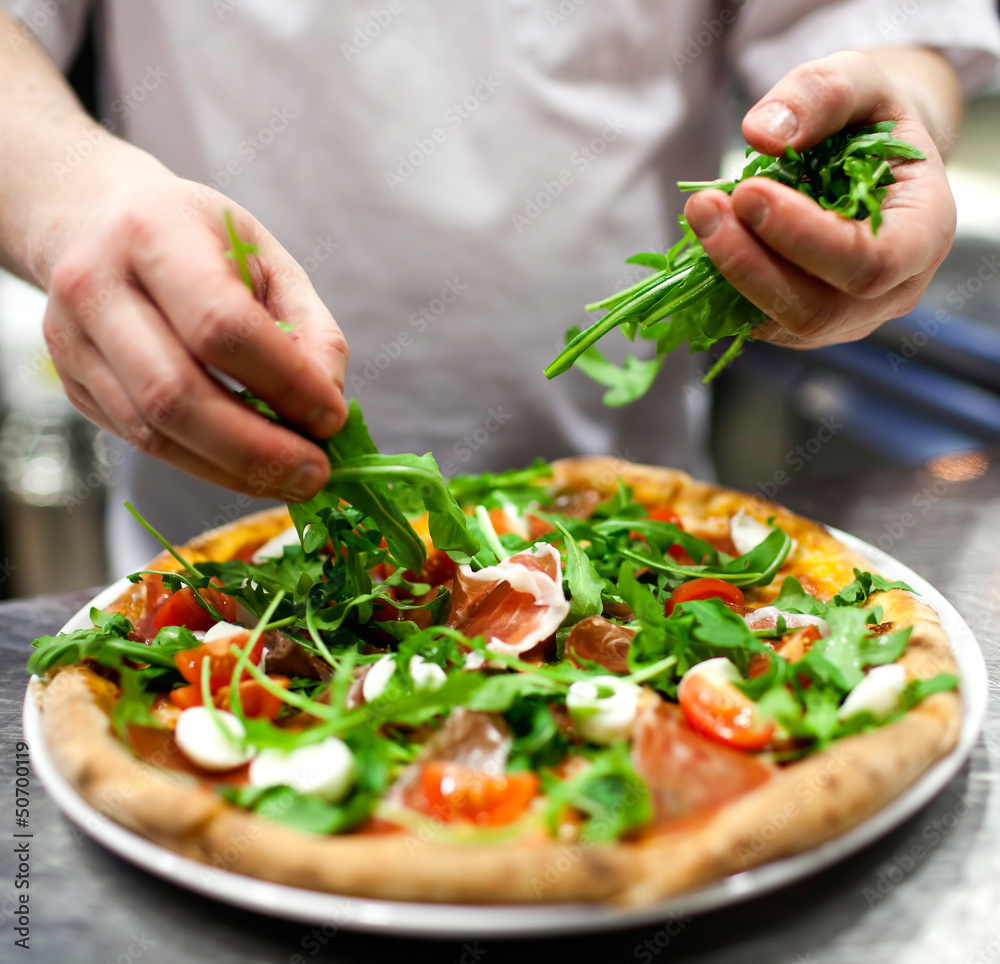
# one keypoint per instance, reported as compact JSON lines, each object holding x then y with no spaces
{"x":818,"y":99}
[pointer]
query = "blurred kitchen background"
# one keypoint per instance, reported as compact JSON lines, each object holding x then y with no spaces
{"x":925,"y":389}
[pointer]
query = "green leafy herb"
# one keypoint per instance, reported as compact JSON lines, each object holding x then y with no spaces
{"x":625,"y":383}
{"x":755,"y":568}
{"x":918,"y":689}
{"x":518,"y":485}
{"x":794,"y":599}
{"x":686,"y":299}
{"x":856,"y":593}
{"x":107,"y":643}
{"x":582,"y":579}
{"x":239,"y":251}
{"x":839,"y":658}
{"x":609,"y":791}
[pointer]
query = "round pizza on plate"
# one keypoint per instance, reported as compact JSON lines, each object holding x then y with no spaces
{"x":585,"y":681}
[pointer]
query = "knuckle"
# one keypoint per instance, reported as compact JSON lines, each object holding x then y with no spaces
{"x":215,"y":335}
{"x":338,"y":345}
{"x":53,"y":334}
{"x":135,"y":224}
{"x":908,"y":295}
{"x":142,"y":435}
{"x":814,"y":318}
{"x":74,"y":281}
{"x":162,"y":397}
{"x":873,"y":275}
{"x":823,"y":85}
{"x":338,"y":354}
{"x":264,"y":469}
{"x":737,"y":266}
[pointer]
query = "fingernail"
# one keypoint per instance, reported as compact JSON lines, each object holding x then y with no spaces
{"x":303,"y":483}
{"x":752,"y":209}
{"x":776,"y":118}
{"x":705,"y":218}
{"x":322,"y":422}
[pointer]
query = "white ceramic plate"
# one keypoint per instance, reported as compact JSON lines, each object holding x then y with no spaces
{"x":470,"y":921}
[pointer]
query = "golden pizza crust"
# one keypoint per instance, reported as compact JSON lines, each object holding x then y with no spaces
{"x":807,"y":803}
{"x":193,"y":821}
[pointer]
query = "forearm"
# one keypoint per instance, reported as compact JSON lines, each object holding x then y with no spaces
{"x":53,"y":158}
{"x":930,"y":84}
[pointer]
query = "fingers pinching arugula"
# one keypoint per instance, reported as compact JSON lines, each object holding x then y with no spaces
{"x":533,"y":666}
{"x":686,"y":299}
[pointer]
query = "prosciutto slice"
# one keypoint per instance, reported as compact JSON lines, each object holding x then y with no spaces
{"x":601,"y":641}
{"x":686,"y":772}
{"x":517,"y":605}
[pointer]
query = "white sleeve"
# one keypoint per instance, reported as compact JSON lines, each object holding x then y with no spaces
{"x":773,"y":36}
{"x":55,"y":24}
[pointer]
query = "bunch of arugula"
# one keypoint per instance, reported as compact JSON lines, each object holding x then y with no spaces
{"x":687,"y":299}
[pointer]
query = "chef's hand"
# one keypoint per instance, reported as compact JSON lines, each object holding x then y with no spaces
{"x":820,"y":277}
{"x":143,"y":303}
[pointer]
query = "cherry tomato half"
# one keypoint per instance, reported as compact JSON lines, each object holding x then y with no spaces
{"x":186,"y":696}
{"x":438,"y":568}
{"x":664,"y":513}
{"x":453,"y":792}
{"x":182,"y":609}
{"x":715,"y":708}
{"x":255,"y":700}
{"x":704,"y":588}
{"x":222,"y":662}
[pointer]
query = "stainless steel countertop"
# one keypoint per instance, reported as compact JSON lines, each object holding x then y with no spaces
{"x":928,"y":892}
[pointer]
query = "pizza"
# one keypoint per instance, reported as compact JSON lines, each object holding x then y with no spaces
{"x":584,"y":681}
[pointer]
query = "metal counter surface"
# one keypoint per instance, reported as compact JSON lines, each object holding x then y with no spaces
{"x":928,"y":892}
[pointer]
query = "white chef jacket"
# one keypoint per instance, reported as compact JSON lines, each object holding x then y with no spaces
{"x":459,"y":179}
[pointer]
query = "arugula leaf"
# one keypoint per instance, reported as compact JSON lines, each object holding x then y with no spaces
{"x":239,"y":251}
{"x":372,"y":497}
{"x":713,"y":629}
{"x":625,"y":383}
{"x":361,"y":476}
{"x":499,"y":692}
{"x":839,"y":658}
{"x":662,"y":535}
{"x":582,"y":579}
{"x":794,"y":599}
{"x":754,"y":568}
{"x":108,"y":644}
{"x":918,"y":689}
{"x":446,"y":521}
{"x":134,"y":703}
{"x":517,"y":485}
{"x":609,"y":792}
{"x":538,"y":741}
{"x":856,"y":593}
{"x":312,"y":814}
{"x":820,"y":717}
{"x":847,"y":173}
